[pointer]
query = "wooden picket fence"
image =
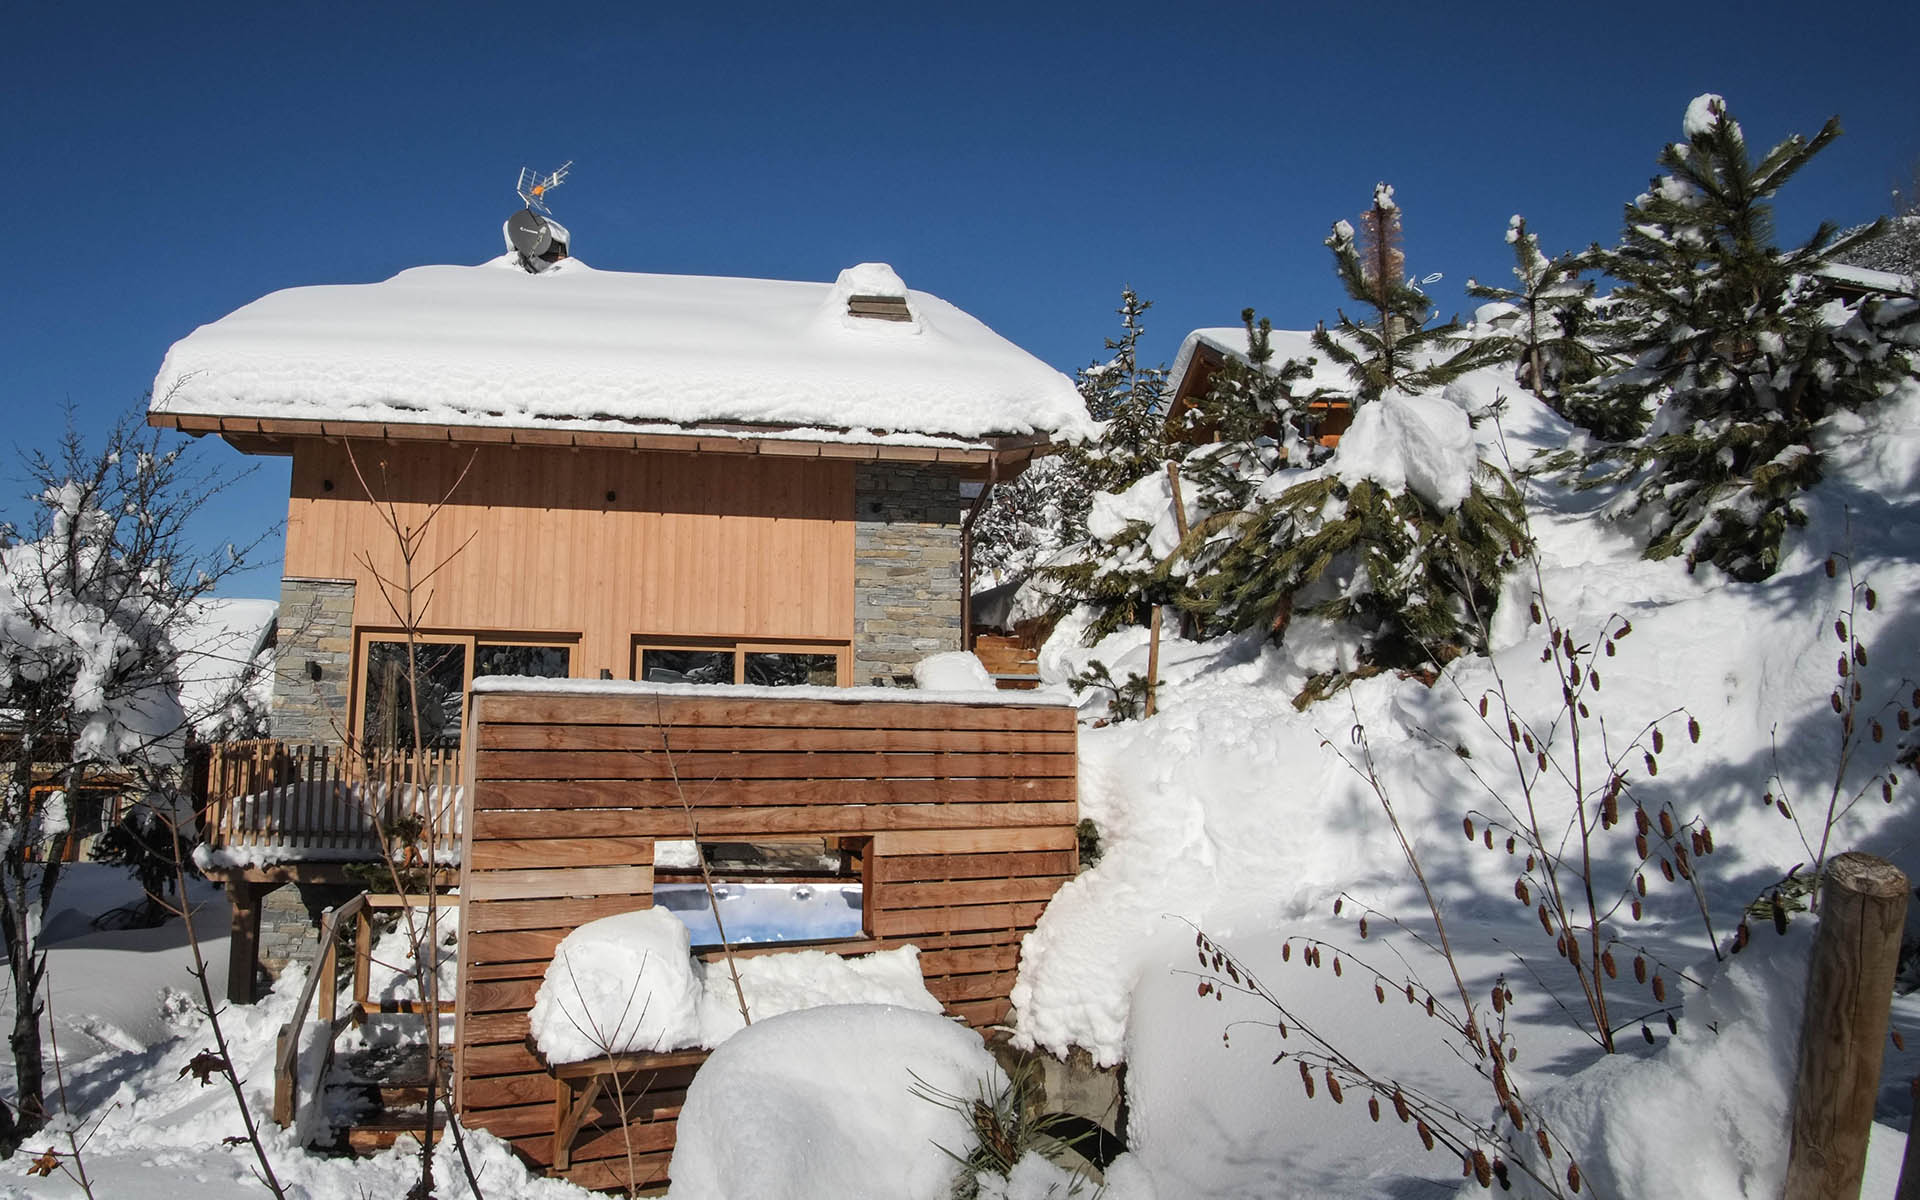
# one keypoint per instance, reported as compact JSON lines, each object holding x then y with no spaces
{"x":321,"y":801}
{"x":961,"y":815}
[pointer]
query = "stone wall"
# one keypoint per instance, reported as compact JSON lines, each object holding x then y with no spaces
{"x":290,"y":921}
{"x":316,"y":630}
{"x":907,"y":573}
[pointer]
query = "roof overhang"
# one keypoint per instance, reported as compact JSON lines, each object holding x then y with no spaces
{"x":277,"y":436}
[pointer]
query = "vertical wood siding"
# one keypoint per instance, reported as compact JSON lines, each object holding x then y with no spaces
{"x":690,"y":545}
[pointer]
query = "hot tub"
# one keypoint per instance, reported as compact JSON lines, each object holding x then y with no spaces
{"x":765,"y":912}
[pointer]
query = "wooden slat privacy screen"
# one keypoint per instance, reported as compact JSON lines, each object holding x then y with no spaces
{"x":966,"y":814}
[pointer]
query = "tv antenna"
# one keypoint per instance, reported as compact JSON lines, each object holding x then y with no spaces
{"x":533,"y":187}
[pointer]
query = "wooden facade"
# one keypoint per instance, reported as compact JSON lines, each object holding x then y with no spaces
{"x":592,"y":548}
{"x":962,"y":817}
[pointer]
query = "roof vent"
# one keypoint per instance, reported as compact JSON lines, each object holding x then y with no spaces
{"x":874,"y":292}
{"x":879,"y":308}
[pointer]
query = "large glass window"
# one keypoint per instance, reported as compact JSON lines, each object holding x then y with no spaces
{"x":439,"y":686}
{"x":782,"y":669}
{"x":659,"y":665}
{"x":541,"y":662}
{"x":759,"y":664}
{"x":445,"y":667}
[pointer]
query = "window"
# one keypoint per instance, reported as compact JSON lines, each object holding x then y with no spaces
{"x":446,"y":666}
{"x":762,"y":664}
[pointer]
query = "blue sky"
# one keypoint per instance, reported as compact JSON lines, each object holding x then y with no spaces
{"x":1024,"y":161}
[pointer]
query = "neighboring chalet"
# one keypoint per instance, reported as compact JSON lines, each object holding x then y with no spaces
{"x":1204,"y":351}
{"x":629,"y":476}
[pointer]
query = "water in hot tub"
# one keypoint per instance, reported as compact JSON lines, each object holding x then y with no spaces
{"x":765,"y":912}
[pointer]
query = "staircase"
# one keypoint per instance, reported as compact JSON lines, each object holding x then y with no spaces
{"x":381,"y":1091}
{"x":373,"y":1095}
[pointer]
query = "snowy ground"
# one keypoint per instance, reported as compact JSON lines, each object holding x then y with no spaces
{"x":1233,"y":813}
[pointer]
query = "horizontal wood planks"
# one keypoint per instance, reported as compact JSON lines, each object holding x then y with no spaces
{"x":964,"y":814}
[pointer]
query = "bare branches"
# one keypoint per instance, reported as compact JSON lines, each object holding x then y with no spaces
{"x":706,"y":876}
{"x":221,"y":1058}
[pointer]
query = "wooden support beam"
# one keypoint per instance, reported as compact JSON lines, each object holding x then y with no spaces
{"x":243,"y":944}
{"x":1863,"y":908}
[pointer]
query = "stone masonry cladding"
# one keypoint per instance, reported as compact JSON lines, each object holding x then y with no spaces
{"x":316,"y":626}
{"x":906,"y":566}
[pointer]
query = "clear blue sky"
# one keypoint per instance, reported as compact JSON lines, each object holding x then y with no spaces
{"x":171,"y":162}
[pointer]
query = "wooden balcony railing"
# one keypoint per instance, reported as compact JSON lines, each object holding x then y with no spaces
{"x":293,"y":800}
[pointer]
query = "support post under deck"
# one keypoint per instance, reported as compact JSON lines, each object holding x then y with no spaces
{"x":243,"y":947}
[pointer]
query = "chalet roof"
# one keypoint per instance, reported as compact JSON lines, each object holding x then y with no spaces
{"x":572,"y":348}
{"x":1232,"y":340}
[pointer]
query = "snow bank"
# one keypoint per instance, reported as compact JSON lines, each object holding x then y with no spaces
{"x":828,"y":1102}
{"x":577,"y":348}
{"x":799,"y":979}
{"x":627,"y":983}
{"x":616,"y":985}
{"x":1722,"y":1087}
{"x":954,"y":671}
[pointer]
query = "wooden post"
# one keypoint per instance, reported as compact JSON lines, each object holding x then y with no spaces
{"x":283,"y":1081}
{"x":329,"y":969}
{"x":362,"y":961}
{"x":1863,"y":907}
{"x":1153,"y":660}
{"x":243,"y":942}
{"x":1153,"y":634}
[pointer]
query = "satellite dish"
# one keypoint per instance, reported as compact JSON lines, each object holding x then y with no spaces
{"x":529,"y":233}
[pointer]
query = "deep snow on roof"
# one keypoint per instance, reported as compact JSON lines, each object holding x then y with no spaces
{"x":1285,"y":344}
{"x":574,"y":347}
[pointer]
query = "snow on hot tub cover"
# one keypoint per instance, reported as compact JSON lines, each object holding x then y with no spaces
{"x":578,"y":348}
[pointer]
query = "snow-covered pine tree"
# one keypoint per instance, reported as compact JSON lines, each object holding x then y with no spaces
{"x":1410,"y":571}
{"x":1396,"y":348}
{"x":1029,"y":519}
{"x":1738,"y":348}
{"x":1131,"y":403}
{"x":1551,"y":341}
{"x":1413,"y":579}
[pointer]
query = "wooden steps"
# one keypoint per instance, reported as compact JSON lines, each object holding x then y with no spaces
{"x":380,"y":1131}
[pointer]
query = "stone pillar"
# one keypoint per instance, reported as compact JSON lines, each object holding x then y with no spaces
{"x":313,"y":660}
{"x":907,"y":572}
{"x":289,"y":918}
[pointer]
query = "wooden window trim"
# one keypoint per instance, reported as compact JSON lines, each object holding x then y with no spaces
{"x":365,"y":635}
{"x":741,"y":647}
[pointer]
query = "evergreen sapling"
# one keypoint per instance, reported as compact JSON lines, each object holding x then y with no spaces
{"x":1738,"y":349}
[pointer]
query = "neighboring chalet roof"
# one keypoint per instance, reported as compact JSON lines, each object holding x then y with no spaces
{"x":578,"y":356}
{"x":1865,"y":281}
{"x":1205,"y":350}
{"x":225,"y":649}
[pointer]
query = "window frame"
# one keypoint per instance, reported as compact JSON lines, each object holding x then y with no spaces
{"x":468,"y":640}
{"x":842,"y":652}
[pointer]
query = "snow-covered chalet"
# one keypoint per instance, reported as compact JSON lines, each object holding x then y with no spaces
{"x":645,"y":476}
{"x":600,"y":475}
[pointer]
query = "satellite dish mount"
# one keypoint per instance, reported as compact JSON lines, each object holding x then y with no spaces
{"x":532,"y":234}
